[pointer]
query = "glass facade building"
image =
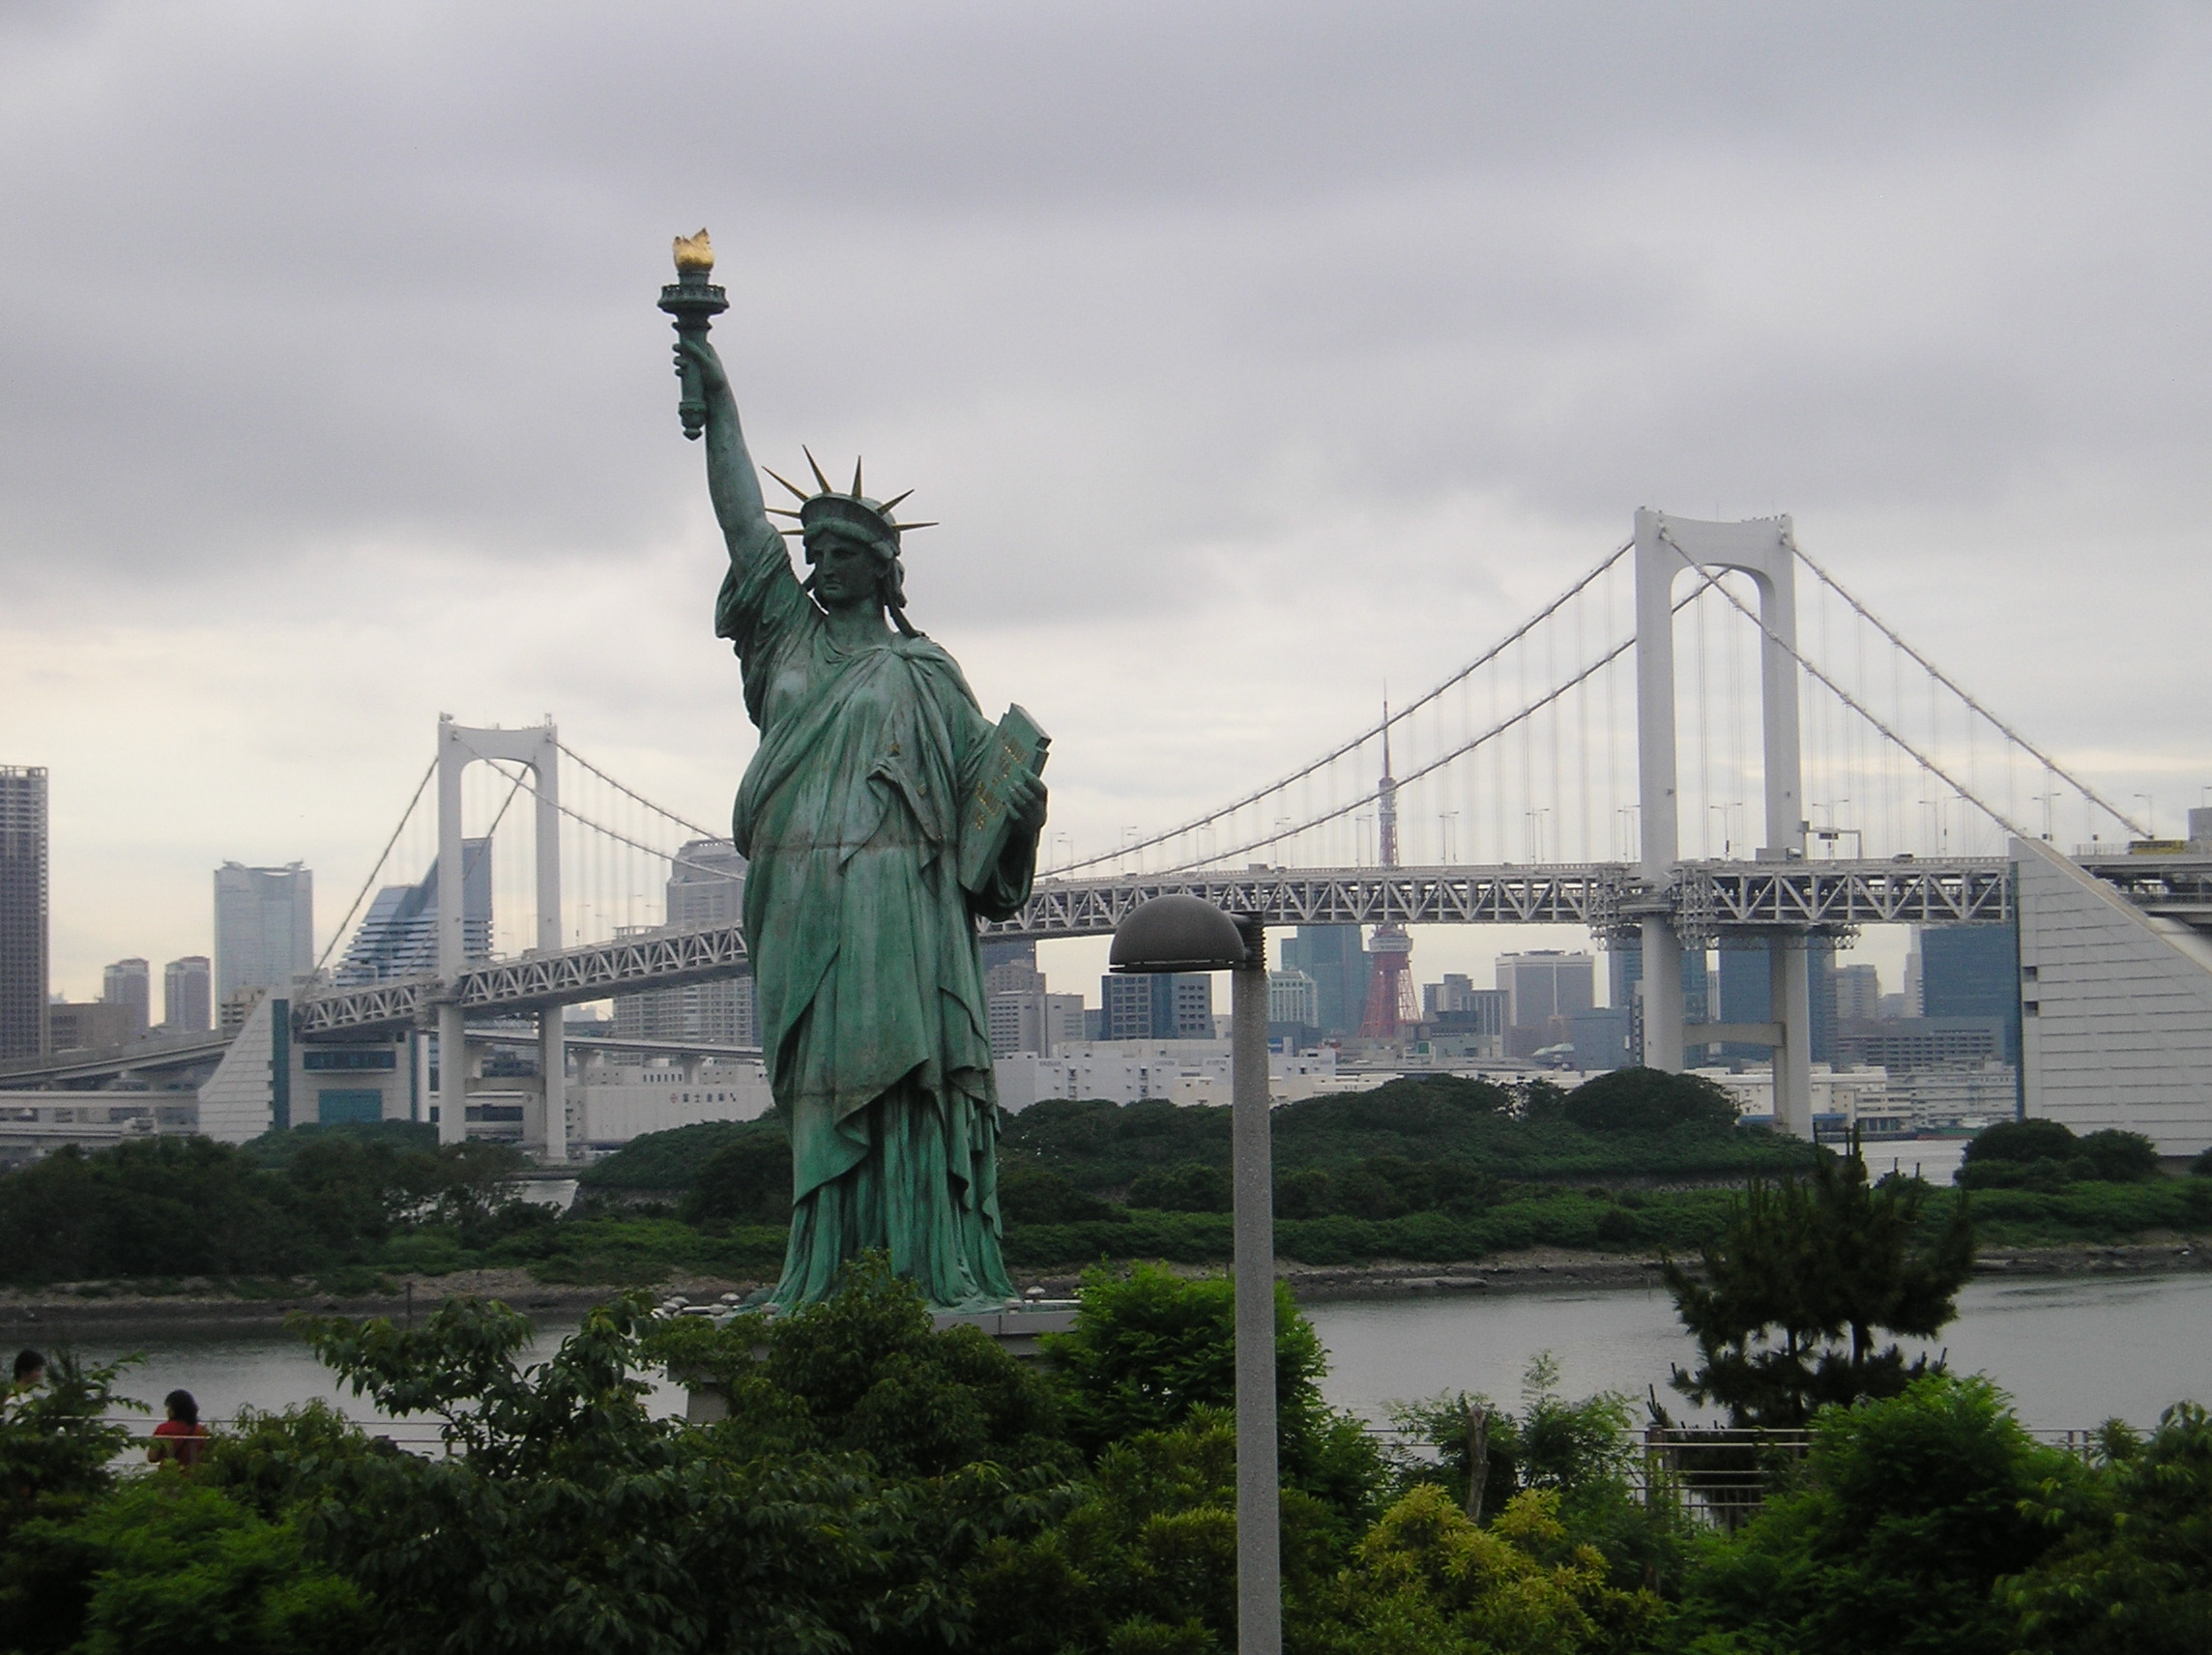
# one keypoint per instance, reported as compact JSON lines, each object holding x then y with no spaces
{"x":23,"y":923}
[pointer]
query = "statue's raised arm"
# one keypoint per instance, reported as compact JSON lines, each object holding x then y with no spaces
{"x":731,"y":481}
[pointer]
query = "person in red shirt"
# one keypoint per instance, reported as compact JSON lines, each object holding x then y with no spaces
{"x":181,"y":1438}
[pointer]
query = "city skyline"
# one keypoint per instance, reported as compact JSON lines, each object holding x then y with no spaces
{"x":1388,"y":332}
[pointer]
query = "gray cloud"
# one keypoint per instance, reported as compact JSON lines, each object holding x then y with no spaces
{"x":1262,"y":318}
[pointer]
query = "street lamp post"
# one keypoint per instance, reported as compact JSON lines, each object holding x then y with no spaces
{"x":1182,"y":933}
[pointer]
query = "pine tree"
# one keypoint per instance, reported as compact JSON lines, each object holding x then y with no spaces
{"x":1791,"y":1300}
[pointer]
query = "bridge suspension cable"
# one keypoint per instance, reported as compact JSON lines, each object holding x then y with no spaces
{"x":384,"y":855}
{"x":1711,"y":578}
{"x":1956,"y":688}
{"x":1419,"y":772}
{"x":522,"y":779}
{"x":633,"y":794}
{"x":1403,"y":715}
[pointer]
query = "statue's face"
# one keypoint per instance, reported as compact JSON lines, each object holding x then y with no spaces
{"x":844,"y":574}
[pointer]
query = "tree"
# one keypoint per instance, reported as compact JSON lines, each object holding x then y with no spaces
{"x":1428,"y":1580}
{"x":1579,"y":1452}
{"x":1912,"y":1509}
{"x":1028,"y":1195}
{"x":1794,"y":1293}
{"x":1143,"y":1562}
{"x":747,"y":1180}
{"x":170,"y":1563}
{"x":566,"y":1517}
{"x":1151,"y":1347}
{"x":2132,"y":1572}
{"x":1190,"y":1187}
{"x":2044,"y":1154}
{"x":1649,"y":1100}
{"x":58,"y":1452}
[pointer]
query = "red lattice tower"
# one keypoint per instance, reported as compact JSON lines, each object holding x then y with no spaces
{"x":1390,"y":1004}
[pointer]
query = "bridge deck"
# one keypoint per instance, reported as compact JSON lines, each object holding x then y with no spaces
{"x":1706,"y":899}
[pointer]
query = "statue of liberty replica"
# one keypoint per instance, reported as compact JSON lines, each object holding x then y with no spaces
{"x":882,"y":814}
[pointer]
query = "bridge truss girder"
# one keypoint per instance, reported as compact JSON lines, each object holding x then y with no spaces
{"x":1702,"y":900}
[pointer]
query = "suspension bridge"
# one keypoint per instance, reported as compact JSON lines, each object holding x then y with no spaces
{"x":1705,"y":737}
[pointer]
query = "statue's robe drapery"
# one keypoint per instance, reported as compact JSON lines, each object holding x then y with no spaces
{"x":868,"y":981}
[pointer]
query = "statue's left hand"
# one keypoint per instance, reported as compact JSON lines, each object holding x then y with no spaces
{"x":1029,"y":802}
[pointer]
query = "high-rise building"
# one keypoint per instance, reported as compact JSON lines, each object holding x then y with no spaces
{"x":1016,"y":975}
{"x":130,"y":984}
{"x":1544,"y":988}
{"x":705,"y":887}
{"x":1601,"y":1038}
{"x":87,"y":1025}
{"x":1859,"y":993}
{"x":23,"y":957}
{"x":1972,"y":970}
{"x":185,"y":997}
{"x":399,"y":936}
{"x":1747,"y":994}
{"x":1333,"y":956}
{"x":1001,"y":950}
{"x":263,"y":927}
{"x":1168,"y":1005}
{"x":1033,"y":1021}
{"x":1293,"y":1000}
{"x":1624,"y":971}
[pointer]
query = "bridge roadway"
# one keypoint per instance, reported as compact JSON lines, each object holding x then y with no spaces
{"x":1707,"y":900}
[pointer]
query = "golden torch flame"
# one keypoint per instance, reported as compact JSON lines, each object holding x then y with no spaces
{"x":694,"y":252}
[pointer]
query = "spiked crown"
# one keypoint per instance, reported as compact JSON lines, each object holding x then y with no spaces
{"x":848,"y":514}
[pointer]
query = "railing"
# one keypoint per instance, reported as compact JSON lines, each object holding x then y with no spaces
{"x":1715,"y":1476}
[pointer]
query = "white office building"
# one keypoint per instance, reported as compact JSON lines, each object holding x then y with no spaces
{"x":1293,"y":997}
{"x":611,"y":1103}
{"x":1181,"y":1071}
{"x":2116,"y":1007}
{"x":1034,"y":1021}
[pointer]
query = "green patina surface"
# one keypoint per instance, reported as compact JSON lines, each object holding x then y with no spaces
{"x":868,"y":976}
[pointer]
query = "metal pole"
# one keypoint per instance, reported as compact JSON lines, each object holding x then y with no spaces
{"x":1259,"y":1493}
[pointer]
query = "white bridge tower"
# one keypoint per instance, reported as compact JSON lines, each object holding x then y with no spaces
{"x":1666,"y":549}
{"x":538,"y":747}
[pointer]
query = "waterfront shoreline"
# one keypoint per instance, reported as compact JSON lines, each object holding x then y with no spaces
{"x":27,"y":1319}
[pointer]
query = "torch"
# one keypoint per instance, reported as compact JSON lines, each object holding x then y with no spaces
{"x":695,"y":302}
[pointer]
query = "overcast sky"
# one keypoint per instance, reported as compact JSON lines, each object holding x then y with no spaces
{"x":1246,"y":354}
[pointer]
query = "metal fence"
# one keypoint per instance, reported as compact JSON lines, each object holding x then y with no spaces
{"x":1714,"y":1476}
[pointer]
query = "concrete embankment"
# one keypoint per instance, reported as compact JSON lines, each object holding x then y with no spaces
{"x":54,"y":1315}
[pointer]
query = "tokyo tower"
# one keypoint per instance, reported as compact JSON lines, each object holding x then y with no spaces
{"x":1390,"y":1005}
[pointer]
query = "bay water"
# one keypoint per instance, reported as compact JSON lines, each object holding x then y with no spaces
{"x":2072,"y":1350}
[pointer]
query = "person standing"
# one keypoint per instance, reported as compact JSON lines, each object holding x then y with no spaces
{"x":180,"y":1440}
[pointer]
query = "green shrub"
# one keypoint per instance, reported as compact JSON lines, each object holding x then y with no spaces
{"x":2132,"y":1572}
{"x":1911,"y":1510}
{"x":1150,"y":1348}
{"x":747,"y":1180}
{"x":2041,"y":1154}
{"x":1191,"y":1187}
{"x":1649,"y":1100}
{"x":1028,"y":1195}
